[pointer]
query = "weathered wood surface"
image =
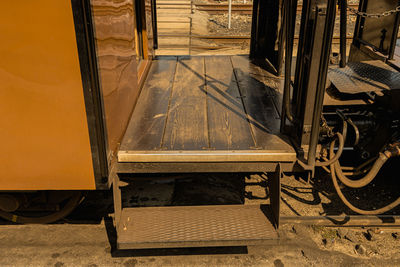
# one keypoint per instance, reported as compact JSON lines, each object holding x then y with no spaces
{"x":259,"y":106}
{"x":186,"y":126}
{"x":227,"y":120}
{"x":145,"y":130}
{"x":205,"y":104}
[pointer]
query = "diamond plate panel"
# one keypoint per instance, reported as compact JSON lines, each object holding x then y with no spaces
{"x":366,"y":76}
{"x":193,"y":226}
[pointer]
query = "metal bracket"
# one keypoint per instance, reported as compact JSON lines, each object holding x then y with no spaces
{"x":117,"y":200}
{"x":275,"y":193}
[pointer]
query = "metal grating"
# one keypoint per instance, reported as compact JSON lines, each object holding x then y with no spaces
{"x":156,"y":227}
{"x":363,"y":77}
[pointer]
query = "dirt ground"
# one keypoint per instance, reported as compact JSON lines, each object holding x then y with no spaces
{"x":88,"y":245}
{"x":87,"y":237}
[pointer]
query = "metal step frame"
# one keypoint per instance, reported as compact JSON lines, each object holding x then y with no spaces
{"x":197,"y":226}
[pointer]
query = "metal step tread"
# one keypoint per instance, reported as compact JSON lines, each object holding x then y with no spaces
{"x":196,"y":226}
{"x":364,"y":77}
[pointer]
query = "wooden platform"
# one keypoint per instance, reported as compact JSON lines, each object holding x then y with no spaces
{"x":206,"y":109}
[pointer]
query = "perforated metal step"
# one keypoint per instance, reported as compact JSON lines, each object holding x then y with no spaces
{"x":366,"y":76}
{"x":196,"y":226}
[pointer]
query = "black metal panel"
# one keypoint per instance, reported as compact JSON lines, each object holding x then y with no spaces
{"x":92,"y":92}
{"x":154,"y":23}
{"x":378,"y":33}
{"x":275,"y":193}
{"x":343,"y":32}
{"x":316,"y":31}
{"x":266,"y":35}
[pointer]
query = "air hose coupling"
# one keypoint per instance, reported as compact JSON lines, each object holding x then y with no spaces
{"x":392,"y":151}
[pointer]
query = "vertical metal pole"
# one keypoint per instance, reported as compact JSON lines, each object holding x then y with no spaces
{"x":289,"y":33}
{"x":321,"y":80}
{"x":229,"y":14}
{"x":392,"y":47}
{"x":343,"y":32}
{"x":154,"y":23}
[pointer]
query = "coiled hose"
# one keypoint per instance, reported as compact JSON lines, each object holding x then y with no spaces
{"x":72,"y":203}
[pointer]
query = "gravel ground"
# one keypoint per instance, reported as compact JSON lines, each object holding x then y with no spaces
{"x":87,"y":237}
{"x":240,"y":25}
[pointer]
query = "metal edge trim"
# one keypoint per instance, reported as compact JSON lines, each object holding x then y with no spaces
{"x":91,"y":87}
{"x":205,"y":156}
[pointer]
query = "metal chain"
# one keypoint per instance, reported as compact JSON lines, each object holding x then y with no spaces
{"x":374,"y":15}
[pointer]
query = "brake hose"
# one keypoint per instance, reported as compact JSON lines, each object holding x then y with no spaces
{"x":351,"y":206}
{"x":72,"y":203}
{"x":341,"y":139}
{"x":336,"y":157}
{"x":366,"y":179}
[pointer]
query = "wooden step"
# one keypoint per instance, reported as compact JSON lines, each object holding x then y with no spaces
{"x":173,"y":6}
{"x":178,"y":41}
{"x":173,"y":11}
{"x":172,"y":2}
{"x":167,"y":14}
{"x":172,"y":51}
{"x":173,"y":19}
{"x":196,"y":226}
{"x":174,"y":26}
{"x":182,"y":31}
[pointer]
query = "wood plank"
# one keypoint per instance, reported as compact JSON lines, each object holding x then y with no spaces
{"x":169,"y":15}
{"x":173,"y":31}
{"x":186,"y":127}
{"x":227,"y":120}
{"x":172,"y":51}
{"x":168,"y":41}
{"x":174,"y":11}
{"x":273,"y":83}
{"x":145,"y":129}
{"x":173,"y":19}
{"x":174,"y":6}
{"x":173,"y":25}
{"x":259,"y":106}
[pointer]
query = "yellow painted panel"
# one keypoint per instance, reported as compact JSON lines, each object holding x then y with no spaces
{"x":44,"y":139}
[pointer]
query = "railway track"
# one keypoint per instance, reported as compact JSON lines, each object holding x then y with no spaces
{"x":245,"y":9}
{"x":223,"y":41}
{"x":187,"y":40}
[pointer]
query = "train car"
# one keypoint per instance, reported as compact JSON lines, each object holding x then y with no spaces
{"x":86,"y":105}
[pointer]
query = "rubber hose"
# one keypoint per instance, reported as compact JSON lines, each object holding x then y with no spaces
{"x":356,"y":132}
{"x":336,"y":156}
{"x":351,"y":206}
{"x":72,"y":203}
{"x":367,"y":179}
{"x":342,"y":139}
